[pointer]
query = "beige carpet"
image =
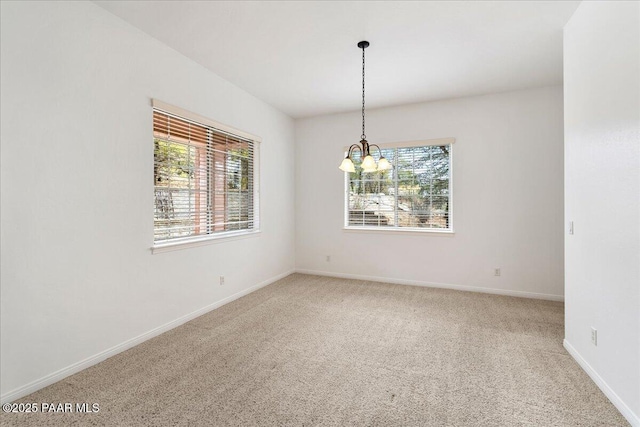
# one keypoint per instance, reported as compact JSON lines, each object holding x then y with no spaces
{"x":313,"y":350}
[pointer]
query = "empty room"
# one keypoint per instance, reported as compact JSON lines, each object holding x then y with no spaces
{"x":320,"y":213}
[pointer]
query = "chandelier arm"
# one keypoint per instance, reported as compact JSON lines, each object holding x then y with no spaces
{"x":379,"y":150}
{"x":353,"y":146}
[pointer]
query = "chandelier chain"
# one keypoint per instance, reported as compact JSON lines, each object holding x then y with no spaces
{"x":364,"y":136}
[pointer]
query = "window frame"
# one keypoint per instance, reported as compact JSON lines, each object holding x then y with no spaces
{"x":206,"y":239}
{"x":396,"y":229}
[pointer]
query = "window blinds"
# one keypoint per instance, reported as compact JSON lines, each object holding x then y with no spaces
{"x":415,"y":194}
{"x":203,"y":179}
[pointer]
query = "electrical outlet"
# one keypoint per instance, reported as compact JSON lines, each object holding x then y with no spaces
{"x":594,"y":336}
{"x":497,"y":272}
{"x":328,"y":258}
{"x":221,"y":280}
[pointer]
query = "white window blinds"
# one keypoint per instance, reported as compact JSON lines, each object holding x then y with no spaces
{"x":204,"y":179}
{"x":415,"y":194}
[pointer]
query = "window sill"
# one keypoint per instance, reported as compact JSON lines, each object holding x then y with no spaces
{"x":202,"y":241}
{"x":390,"y":230}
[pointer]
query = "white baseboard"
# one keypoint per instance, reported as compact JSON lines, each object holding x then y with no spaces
{"x":633,"y":419}
{"x":95,"y":359}
{"x":508,"y":292}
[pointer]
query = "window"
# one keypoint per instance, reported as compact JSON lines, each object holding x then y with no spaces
{"x":203,"y":178}
{"x":414,"y":195}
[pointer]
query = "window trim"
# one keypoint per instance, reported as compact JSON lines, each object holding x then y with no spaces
{"x":201,"y":119}
{"x":202,"y":240}
{"x":196,"y":241}
{"x":404,"y":230}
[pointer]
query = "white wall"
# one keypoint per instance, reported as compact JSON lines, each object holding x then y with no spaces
{"x":507,"y":203}
{"x":78,"y":277}
{"x":602,"y":196}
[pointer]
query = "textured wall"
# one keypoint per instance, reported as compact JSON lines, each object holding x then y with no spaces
{"x":507,"y":195}
{"x":602,"y":195}
{"x":78,"y":276}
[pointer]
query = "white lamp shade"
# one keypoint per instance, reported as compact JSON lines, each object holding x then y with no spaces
{"x":383,"y":164}
{"x":368,"y":164}
{"x":347,"y":165}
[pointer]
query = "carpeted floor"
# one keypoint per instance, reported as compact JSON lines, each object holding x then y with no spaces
{"x":311,"y":350}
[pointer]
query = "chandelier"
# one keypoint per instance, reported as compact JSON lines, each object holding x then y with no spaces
{"x":368,"y":162}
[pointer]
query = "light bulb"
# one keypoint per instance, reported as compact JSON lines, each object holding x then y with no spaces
{"x":368,"y":164}
{"x":347,"y":165}
{"x":383,"y":164}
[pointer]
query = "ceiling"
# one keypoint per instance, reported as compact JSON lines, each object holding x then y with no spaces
{"x":302,"y":58}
